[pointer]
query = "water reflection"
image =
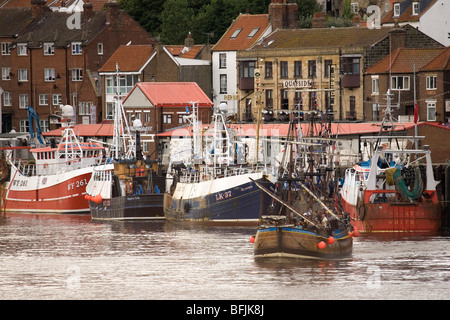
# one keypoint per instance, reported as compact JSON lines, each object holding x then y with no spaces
{"x":71,"y":257}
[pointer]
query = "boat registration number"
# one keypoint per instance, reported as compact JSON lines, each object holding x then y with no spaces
{"x":223,"y":195}
{"x":76,"y":184}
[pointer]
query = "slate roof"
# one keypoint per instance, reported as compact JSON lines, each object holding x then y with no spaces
{"x":406,"y":11}
{"x":172,"y":94}
{"x":322,"y":37}
{"x":247,"y":23}
{"x":129,"y":58}
{"x":52,"y":27}
{"x":402,"y":60}
{"x":14,"y":20}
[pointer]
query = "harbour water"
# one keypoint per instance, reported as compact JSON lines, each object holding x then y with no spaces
{"x":71,"y":257}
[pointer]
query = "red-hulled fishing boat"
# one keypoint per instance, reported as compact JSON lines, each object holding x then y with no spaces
{"x":395,"y":190}
{"x":53,"y":180}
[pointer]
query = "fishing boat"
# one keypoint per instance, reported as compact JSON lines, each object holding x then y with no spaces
{"x":304,"y":220}
{"x":215,"y":184}
{"x":394,"y":190}
{"x":53,"y":179}
{"x":127,"y":186}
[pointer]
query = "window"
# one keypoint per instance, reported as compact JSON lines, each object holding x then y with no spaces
{"x":252,"y":34}
{"x":100,"y":48}
{"x":415,"y":8}
{"x":76,"y":48}
{"x":236,"y":33}
{"x":223,"y":83}
{"x":399,"y":83}
{"x":5,"y":49}
{"x":222,"y":60}
{"x":328,"y":65}
{"x":6,"y":73}
{"x":269,"y":99}
{"x":22,"y":49}
{"x":431,"y":110}
{"x":396,"y":9}
{"x":146,"y":116}
{"x":57,"y":99}
{"x":49,"y":49}
{"x":84,"y":108}
{"x":24,"y":126}
{"x":298,"y":101}
{"x":43,"y":99}
{"x":49,"y":74}
{"x":167,"y":118}
{"x":268,"y":68}
{"x":126,"y":83}
{"x":7,"y":99}
{"x":283,"y":69}
{"x":23,"y":101}
{"x":431,"y":82}
{"x":375,"y":85}
{"x":181,"y":118}
{"x":23,"y":74}
{"x":284,"y":99}
{"x":247,"y":69}
{"x":77,"y":74}
{"x":350,"y":65}
{"x":311,"y":68}
{"x":297,"y":69}
{"x":354,"y":7}
{"x":44,"y":125}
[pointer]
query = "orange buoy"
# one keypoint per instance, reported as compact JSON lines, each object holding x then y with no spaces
{"x":321,"y":245}
{"x":86,"y":196}
{"x":97,"y":198}
{"x":349,"y":234}
{"x":330,"y":240}
{"x":252,"y":239}
{"x":355,"y":232}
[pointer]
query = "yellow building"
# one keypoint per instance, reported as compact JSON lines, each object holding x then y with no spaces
{"x":309,"y":69}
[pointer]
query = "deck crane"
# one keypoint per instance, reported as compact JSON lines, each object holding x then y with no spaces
{"x":33,"y":115}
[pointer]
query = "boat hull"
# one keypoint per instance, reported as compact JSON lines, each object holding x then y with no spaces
{"x":291,"y":242}
{"x":130,"y":207}
{"x":416,"y":217}
{"x":241,"y":203}
{"x":62,"y":193}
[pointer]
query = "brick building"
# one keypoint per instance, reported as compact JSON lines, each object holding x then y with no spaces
{"x":162,"y":106}
{"x":55,"y":59}
{"x":411,"y":75}
{"x":146,"y":63}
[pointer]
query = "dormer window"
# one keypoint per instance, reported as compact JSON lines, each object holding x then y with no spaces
{"x":252,"y":34}
{"x":415,"y":8}
{"x":236,"y":33}
{"x":396,"y":9}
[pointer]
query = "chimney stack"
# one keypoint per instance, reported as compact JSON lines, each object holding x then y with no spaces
{"x":87,"y":10}
{"x":38,"y":8}
{"x":397,"y":37}
{"x":283,"y":15}
{"x":112,"y":11}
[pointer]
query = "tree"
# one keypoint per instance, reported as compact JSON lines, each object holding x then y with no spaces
{"x":176,"y":21}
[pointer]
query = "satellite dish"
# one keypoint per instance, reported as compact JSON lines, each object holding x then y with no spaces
{"x":137,"y":123}
{"x":66,"y":111}
{"x":223,"y":107}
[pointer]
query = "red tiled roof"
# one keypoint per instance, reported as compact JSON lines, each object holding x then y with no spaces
{"x":441,"y":62}
{"x":247,"y":23}
{"x":402,"y":60}
{"x":177,"y":50}
{"x":129,"y":58}
{"x":281,"y":129}
{"x":173,"y":94}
